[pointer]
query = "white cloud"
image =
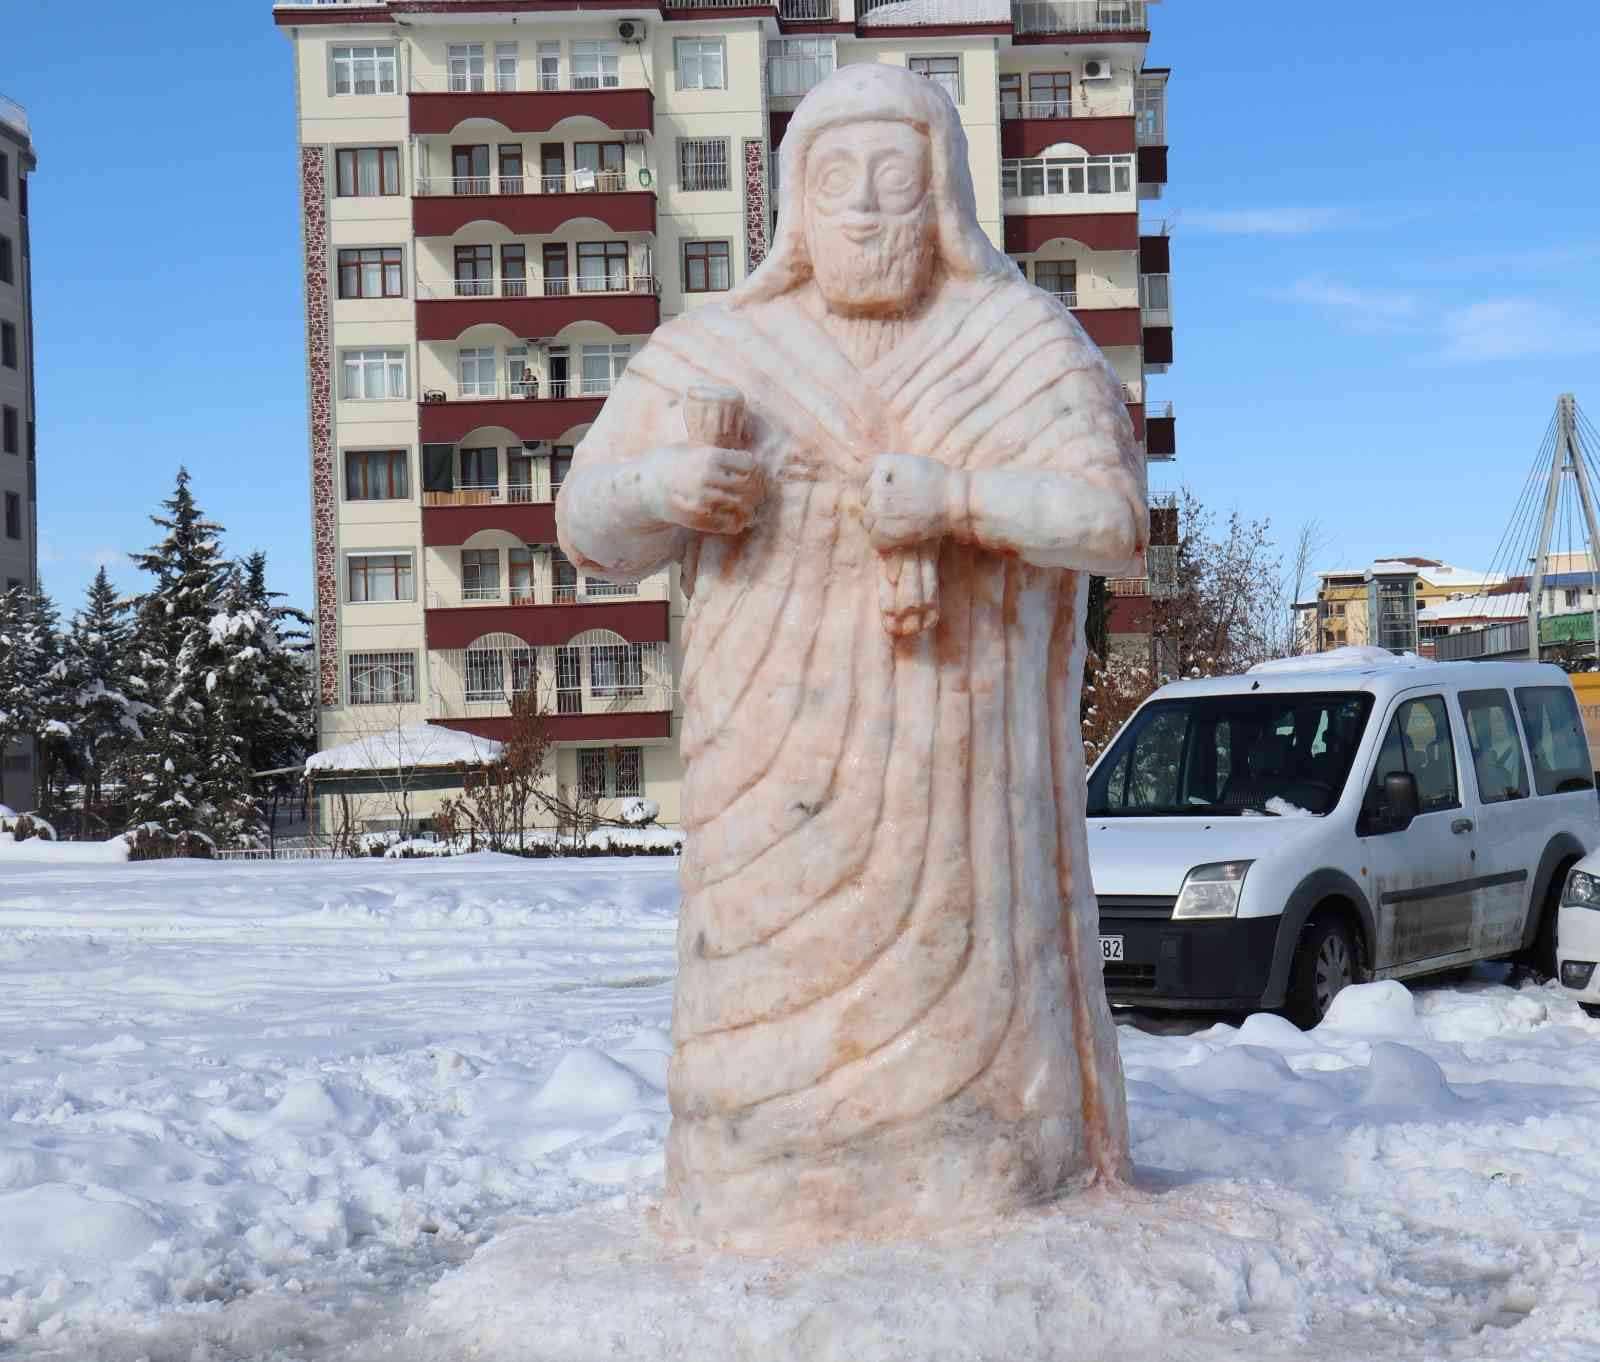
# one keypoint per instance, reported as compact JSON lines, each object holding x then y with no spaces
{"x":1270,"y":221}
{"x":1357,"y":304}
{"x":106,"y":558}
{"x":1514,"y":328}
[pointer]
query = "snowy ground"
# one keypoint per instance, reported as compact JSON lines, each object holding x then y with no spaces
{"x":414,"y":1110}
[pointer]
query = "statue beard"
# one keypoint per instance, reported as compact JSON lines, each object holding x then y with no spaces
{"x":882,"y":277}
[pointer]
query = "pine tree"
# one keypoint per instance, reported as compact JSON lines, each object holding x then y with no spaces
{"x":29,"y":653}
{"x":283,"y":731}
{"x":97,"y":658}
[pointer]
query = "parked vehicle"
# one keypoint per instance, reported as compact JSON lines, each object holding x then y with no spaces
{"x":1261,"y":841}
{"x":1578,"y":934}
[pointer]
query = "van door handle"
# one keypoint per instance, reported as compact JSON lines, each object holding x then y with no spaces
{"x":1461,"y":825}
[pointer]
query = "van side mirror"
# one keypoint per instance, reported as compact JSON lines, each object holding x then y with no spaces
{"x":1400,"y":794}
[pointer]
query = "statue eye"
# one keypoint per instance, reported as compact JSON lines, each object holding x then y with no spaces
{"x":835,"y":180}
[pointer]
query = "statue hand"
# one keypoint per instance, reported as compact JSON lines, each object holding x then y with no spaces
{"x":908,"y":500}
{"x":704,"y":488}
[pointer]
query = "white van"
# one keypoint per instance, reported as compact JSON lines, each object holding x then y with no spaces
{"x":1260,"y":841}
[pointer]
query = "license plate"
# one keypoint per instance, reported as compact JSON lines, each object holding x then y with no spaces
{"x":1110,"y":948}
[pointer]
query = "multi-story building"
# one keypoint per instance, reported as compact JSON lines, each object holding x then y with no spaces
{"x":19,"y":539}
{"x":502,"y":198}
{"x":1401,"y":604}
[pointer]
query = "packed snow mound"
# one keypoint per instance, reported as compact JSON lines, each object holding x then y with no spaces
{"x":398,"y":748}
{"x":1354,"y":657}
{"x":1284,"y":809}
{"x":637,"y":809}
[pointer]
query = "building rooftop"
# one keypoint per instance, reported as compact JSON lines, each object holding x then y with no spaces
{"x":1434,"y":572}
{"x":13,"y":115}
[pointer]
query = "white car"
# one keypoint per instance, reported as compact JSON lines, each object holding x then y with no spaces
{"x":1578,"y":935}
{"x":1261,"y":841}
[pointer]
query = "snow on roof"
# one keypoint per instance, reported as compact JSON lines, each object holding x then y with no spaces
{"x":1510,"y":605}
{"x":1357,"y":657}
{"x":417,"y":745}
{"x":1431,"y":570}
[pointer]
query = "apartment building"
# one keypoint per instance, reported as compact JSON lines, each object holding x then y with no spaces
{"x":503,"y":198}
{"x":1400,"y":603}
{"x":19,"y":538}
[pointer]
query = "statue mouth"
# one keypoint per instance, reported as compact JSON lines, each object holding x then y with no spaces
{"x":861,"y":232}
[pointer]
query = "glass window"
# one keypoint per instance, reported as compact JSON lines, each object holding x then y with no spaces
{"x":480,"y":468}
{"x":1157,"y":297}
{"x":474,"y":273}
{"x":945,"y":72}
{"x":1556,"y":740}
{"x":5,"y":176}
{"x":549,"y":73}
{"x":1051,"y":175}
{"x":10,"y":430}
{"x":376,"y":475}
{"x":1010,"y":96}
{"x":1049,"y":94}
{"x":611,"y":772}
{"x":372,"y":375}
{"x":1417,"y":740}
{"x":7,"y":275}
{"x":381,"y":577}
{"x":519,"y":567}
{"x":700,"y":63}
{"x":466,"y":67}
{"x":480,"y":574}
{"x":475,"y":371}
{"x":364,"y":71}
{"x":370,"y":272}
{"x":1059,"y":277}
{"x":600,"y":166}
{"x":702,"y":163}
{"x":383,"y":678}
{"x":602,"y":367}
{"x":13,"y":515}
{"x":505,"y":66}
{"x":1496,"y":747}
{"x":1231,"y":754}
{"x":368,"y":171}
{"x":706,"y":267}
{"x":594,"y":64}
{"x":1149,"y":111}
{"x":602,"y":266}
{"x":794,"y":65}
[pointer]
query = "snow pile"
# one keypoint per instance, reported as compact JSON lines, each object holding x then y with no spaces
{"x":1284,"y":809}
{"x":637,"y":809}
{"x":415,"y":1110}
{"x":1355,"y":657}
{"x":44,"y":850}
{"x":400,"y":748}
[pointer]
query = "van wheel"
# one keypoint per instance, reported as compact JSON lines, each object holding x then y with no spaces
{"x":1540,"y":958}
{"x":1324,"y":963}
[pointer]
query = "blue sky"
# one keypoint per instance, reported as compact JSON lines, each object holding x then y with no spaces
{"x":1386,"y":243}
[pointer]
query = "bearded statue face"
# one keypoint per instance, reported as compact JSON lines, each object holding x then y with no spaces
{"x":869,"y":219}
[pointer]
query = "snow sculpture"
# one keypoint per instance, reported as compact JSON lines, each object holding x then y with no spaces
{"x":882,"y":465}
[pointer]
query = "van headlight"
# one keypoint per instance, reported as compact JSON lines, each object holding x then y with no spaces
{"x":1582,"y":891}
{"x":1212,"y":891}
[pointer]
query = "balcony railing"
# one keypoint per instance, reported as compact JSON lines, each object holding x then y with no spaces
{"x":14,"y":115}
{"x":578,"y":678}
{"x":473,"y":186}
{"x":588,"y":591}
{"x":1079,"y":16}
{"x":1093,"y":296}
{"x":1084,"y":103}
{"x":518,"y":287}
{"x":1128,"y":586}
{"x":806,"y":11}
{"x":523,"y":82}
{"x":492,"y":390}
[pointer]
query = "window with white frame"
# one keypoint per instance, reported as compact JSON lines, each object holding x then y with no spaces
{"x":480,"y":574}
{"x":1049,"y":176}
{"x":602,"y":367}
{"x":945,"y":72}
{"x":701,"y":63}
{"x":475,"y":371}
{"x":702,"y":163}
{"x":611,"y":772}
{"x":594,"y":64}
{"x":1156,"y":291}
{"x":382,"y":678}
{"x":372,"y":375}
{"x":1150,"y":111}
{"x":466,"y":67}
{"x":375,"y":577}
{"x":548,"y":76}
{"x":364,"y":70}
{"x":794,"y":65}
{"x":505,"y":66}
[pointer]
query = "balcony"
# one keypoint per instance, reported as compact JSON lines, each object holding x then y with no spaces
{"x":806,"y":11}
{"x":1103,"y":125}
{"x":585,"y":591}
{"x":452,"y":100}
{"x":531,"y":205}
{"x":1161,"y":433}
{"x":1056,"y":19}
{"x":629,"y":305}
{"x":528,"y":412}
{"x":1026,"y":232}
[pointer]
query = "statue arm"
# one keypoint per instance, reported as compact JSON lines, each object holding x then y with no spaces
{"x":1050,"y":519}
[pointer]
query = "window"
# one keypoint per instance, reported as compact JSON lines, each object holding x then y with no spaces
{"x":376,"y":475}
{"x":466,"y":67}
{"x":549,"y":73}
{"x":1049,"y":95}
{"x":480,"y":574}
{"x":1149,"y":112}
{"x":364,"y":172}
{"x":474,"y":271}
{"x":5,"y":176}
{"x":521,"y":380}
{"x":1156,"y":292}
{"x":373,"y":375}
{"x":702,"y":163}
{"x":945,"y":72}
{"x":469,"y":169}
{"x":600,"y":166}
{"x":1010,"y":95}
{"x":701,"y":63}
{"x":383,"y":678}
{"x":381,"y":577}
{"x":480,"y":467}
{"x":7,"y":269}
{"x":1059,"y":277}
{"x":611,"y":772}
{"x":519,"y":565}
{"x":594,"y":64}
{"x":705,"y":266}
{"x":13,"y":515}
{"x":616,"y":669}
{"x":1556,"y":740}
{"x":505,"y":66}
{"x":514,"y":272}
{"x":1042,"y":175}
{"x":370,"y":272}
{"x":511,"y":168}
{"x":555,"y":270}
{"x":602,"y":266}
{"x":8,"y":344}
{"x":364,"y":71}
{"x":475,"y":371}
{"x":602,"y":367}
{"x":1496,"y":748}
{"x":10,"y":440}
{"x":794,"y":65}
{"x":1417,"y":740}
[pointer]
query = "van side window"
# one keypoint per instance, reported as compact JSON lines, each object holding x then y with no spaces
{"x":1496,"y":748}
{"x":1556,"y":739}
{"x":1417,"y":740}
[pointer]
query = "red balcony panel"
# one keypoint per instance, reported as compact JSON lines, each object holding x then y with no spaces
{"x":547,"y":625}
{"x":628,"y":314}
{"x":1163,"y":437}
{"x":534,"y":110}
{"x":1158,"y":345}
{"x":1136,"y":415}
{"x":1155,"y":255}
{"x":632,"y":210}
{"x":1152,"y":165}
{"x":1110,"y":325}
{"x":1137,"y":36}
{"x":595,"y":728}
{"x":1097,"y":136}
{"x":1027,"y":232}
{"x":444,"y":423}
{"x":532,"y":523}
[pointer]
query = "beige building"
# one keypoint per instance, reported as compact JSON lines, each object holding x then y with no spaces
{"x":503,"y":198}
{"x":1401,"y":604}
{"x":19,"y":539}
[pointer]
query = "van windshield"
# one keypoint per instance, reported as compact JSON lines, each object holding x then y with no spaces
{"x":1232,"y":754}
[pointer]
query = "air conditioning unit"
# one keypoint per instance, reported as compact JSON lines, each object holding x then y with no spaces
{"x":631,"y":30}
{"x":634,"y":137}
{"x":1097,"y":68}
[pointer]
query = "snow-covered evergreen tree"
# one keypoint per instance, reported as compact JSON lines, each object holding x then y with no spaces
{"x":29,"y":674}
{"x":282,"y":730}
{"x":97,"y":658}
